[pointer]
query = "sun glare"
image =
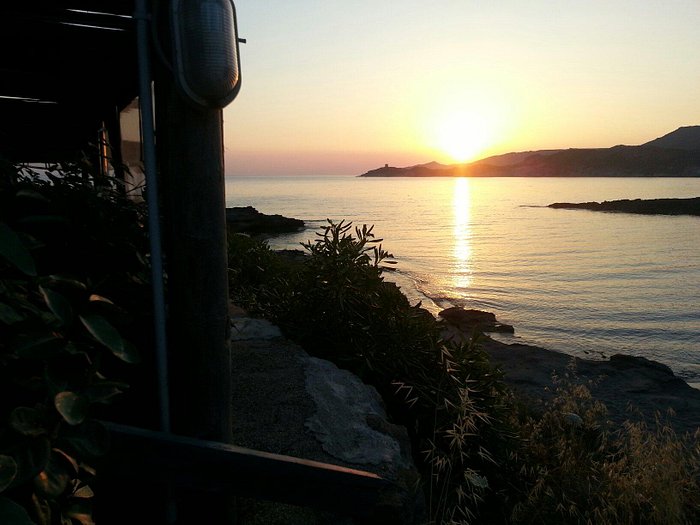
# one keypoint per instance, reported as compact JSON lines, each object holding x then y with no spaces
{"x":464,"y":134}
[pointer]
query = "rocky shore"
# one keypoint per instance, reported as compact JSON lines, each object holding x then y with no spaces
{"x":288,"y":402}
{"x":640,"y":206}
{"x":633,"y":388}
{"x":249,"y":220}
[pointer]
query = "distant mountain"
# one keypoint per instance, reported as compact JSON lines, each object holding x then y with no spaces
{"x":508,"y":159}
{"x":432,"y":165}
{"x":687,"y":138}
{"x":676,"y":154}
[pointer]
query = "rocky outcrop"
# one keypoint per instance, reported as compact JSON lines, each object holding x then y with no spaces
{"x":287,"y":402}
{"x":249,"y":220}
{"x":350,"y":421}
{"x":645,"y":207}
{"x":631,"y":387}
{"x":474,"y":320}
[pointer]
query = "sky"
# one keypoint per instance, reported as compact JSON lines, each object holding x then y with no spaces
{"x":340,"y":87}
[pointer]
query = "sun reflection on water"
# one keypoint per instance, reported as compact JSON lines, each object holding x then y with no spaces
{"x":461,"y":206}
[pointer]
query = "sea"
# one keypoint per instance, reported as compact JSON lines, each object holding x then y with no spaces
{"x":589,"y":284}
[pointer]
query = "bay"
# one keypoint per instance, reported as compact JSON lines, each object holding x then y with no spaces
{"x":586,"y":283}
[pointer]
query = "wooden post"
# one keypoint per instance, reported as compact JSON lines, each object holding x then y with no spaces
{"x":189,"y":141}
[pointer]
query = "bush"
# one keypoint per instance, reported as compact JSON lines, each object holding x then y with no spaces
{"x":575,"y":468}
{"x":70,"y":262}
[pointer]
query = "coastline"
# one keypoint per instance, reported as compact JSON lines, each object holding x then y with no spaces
{"x":632,"y":388}
{"x":524,"y":406}
{"x":620,"y":381}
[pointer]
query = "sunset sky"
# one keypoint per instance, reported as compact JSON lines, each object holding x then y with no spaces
{"x":333,"y":87}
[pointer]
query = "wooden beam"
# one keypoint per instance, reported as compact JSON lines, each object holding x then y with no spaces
{"x":155,"y":458}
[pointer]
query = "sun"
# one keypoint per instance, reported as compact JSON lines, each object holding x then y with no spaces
{"x":463,"y":134}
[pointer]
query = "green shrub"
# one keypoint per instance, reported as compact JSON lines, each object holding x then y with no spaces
{"x":70,"y":261}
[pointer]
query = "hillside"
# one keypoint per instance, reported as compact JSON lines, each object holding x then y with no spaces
{"x":686,"y":138}
{"x":676,"y":154}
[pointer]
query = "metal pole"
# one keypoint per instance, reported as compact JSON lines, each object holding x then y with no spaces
{"x":142,"y":18}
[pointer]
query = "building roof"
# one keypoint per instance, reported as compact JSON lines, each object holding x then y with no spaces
{"x":66,"y":66}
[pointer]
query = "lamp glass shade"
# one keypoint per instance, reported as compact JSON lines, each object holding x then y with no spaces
{"x":205,"y":44}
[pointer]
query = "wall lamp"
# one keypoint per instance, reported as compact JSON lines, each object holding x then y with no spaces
{"x":206,"y":61}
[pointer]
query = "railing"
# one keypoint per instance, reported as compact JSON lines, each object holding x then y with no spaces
{"x":165,"y":463}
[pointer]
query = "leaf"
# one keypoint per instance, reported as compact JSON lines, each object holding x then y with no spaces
{"x":42,"y":510}
{"x":27,"y":421}
{"x":476,"y":480}
{"x":103,"y":392}
{"x":66,"y":281}
{"x":84,"y":492}
{"x":103,"y":331}
{"x":12,"y":249}
{"x":129,"y":353}
{"x":71,"y":406}
{"x":38,"y":345}
{"x":103,"y":306}
{"x":31,"y":458}
{"x":13,"y":514}
{"x":9,"y":315}
{"x":53,"y":480}
{"x":69,"y":462}
{"x":86,"y":471}
{"x":8,"y":472}
{"x":106,"y":334}
{"x":98,"y":298}
{"x":81,"y":510}
{"x":58,"y":304}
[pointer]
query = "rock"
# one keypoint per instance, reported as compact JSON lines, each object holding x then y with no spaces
{"x":245,"y":328}
{"x":286,"y":402}
{"x":350,"y":421}
{"x":351,"y":424}
{"x":249,"y":220}
{"x":470,"y":320}
{"x":626,"y":362}
{"x":621,"y":382}
{"x":689,"y":206}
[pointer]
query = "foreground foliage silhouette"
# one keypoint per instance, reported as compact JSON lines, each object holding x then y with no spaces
{"x":484,"y":456}
{"x":74,"y":295}
{"x":72,"y":284}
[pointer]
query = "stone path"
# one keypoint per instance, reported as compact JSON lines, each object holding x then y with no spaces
{"x":287,"y":402}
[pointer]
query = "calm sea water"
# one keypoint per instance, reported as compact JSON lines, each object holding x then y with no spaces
{"x":585,"y":283}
